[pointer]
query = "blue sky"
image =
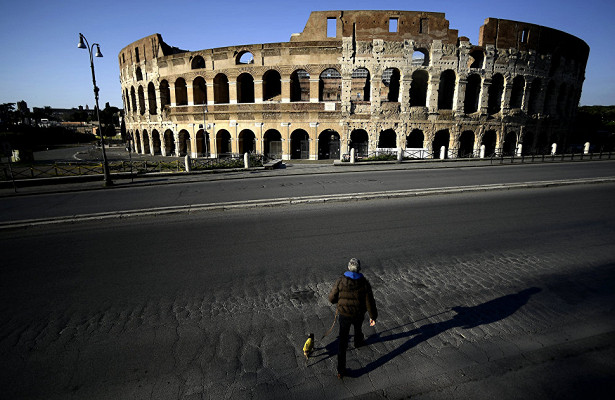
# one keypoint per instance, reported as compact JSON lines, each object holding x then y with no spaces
{"x":41,"y":64}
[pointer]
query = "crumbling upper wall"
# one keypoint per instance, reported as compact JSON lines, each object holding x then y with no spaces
{"x":367,"y":25}
{"x":145,"y":49}
{"x":505,"y":34}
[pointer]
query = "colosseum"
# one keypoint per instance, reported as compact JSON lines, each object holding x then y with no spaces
{"x":372,"y":81}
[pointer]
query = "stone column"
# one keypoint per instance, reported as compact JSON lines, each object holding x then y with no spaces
{"x":526,"y":96}
{"x":172,"y":95}
{"x":232,"y":92}
{"x":506,"y":95}
{"x":432,"y":93}
{"x":404,"y":88}
{"x":210,"y":93}
{"x":258,"y":91}
{"x":285,"y":90}
{"x":190,"y":94}
{"x":314,"y":89}
{"x":484,"y":96}
{"x":460,"y":95}
{"x":376,"y":86}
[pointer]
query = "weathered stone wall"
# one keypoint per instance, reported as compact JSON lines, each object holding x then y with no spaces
{"x":387,"y":79}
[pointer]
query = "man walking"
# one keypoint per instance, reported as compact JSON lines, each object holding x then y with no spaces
{"x":353,"y":295}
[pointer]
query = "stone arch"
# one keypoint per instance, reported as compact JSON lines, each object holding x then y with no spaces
{"x":165,"y":94}
{"x":534,"y":95}
{"x":272,"y":140}
{"x":272,"y":86}
{"x":509,"y":146}
{"x":441,"y":138}
{"x":360,"y":86}
{"x":199,"y":91}
{"x":181,"y":92}
{"x":151,"y":98}
{"x":328,"y":145}
{"x":202,"y":143}
{"x":330,"y":85}
{"x":420,"y":57}
{"x":300,"y":85}
{"x":390,"y":79}
{"x":387,"y":139}
{"x":133,"y":98}
{"x":244,"y":57}
{"x":494,"y":102}
{"x":477,"y":58}
{"x":446,"y":90}
{"x":245,"y":88}
{"x":518,"y":89}
{"x":145,"y":141}
{"x":127,"y":99}
{"x":221,"y":89}
{"x":415,"y":139}
{"x":139,"y":74}
{"x":247,"y":141}
{"x":141,"y":100}
{"x":183,"y":143}
{"x":169,"y":142}
{"x":466,"y":144}
{"x":489,"y":140}
{"x":223,"y":143}
{"x":473,"y":86}
{"x":299,"y":145}
{"x":155,"y":142}
{"x":198,"y":62}
{"x":418,"y":88}
{"x":529,"y":145}
{"x":359,"y":141}
{"x":137,"y":139}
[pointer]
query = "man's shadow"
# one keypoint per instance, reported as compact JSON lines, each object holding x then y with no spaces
{"x":466,"y":318}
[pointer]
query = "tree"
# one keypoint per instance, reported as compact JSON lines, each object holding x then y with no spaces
{"x":7,"y":113}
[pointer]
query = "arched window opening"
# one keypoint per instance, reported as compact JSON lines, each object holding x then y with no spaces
{"x":127,"y":100}
{"x":272,"y":140}
{"x":245,"y":88}
{"x":202,"y":143}
{"x":473,"y":86}
{"x":165,"y":94}
{"x":299,"y":145}
{"x":133,"y":98}
{"x":245,"y":57}
{"x":169,"y":142}
{"x":516,"y":95}
{"x":420,"y":58}
{"x":415,"y":139}
{"x":387,"y":139}
{"x":556,"y":60}
{"x":359,"y":141}
{"x":528,"y":147}
{"x":441,"y":139}
{"x":446,"y":90}
{"x":300,"y":86}
{"x":247,"y":141}
{"x":199,"y":90}
{"x":390,"y":79}
{"x":534,"y":95}
{"x":141,"y":100}
{"x":550,"y":99}
{"x":151,"y":98}
{"x":139,"y":74}
{"x":184,"y":143}
{"x":223,"y":143}
{"x":221,"y":91}
{"x":509,"y":147}
{"x":477,"y":59}
{"x":272,"y":86}
{"x":489,"y":141}
{"x":494,"y":103}
{"x":330,"y":85}
{"x":198,"y":62}
{"x":418,"y":88}
{"x":155,"y":142}
{"x":360,"y":86}
{"x":181,"y":92}
{"x":328,"y":145}
{"x":137,"y":138}
{"x":146,"y":149}
{"x":466,"y":144}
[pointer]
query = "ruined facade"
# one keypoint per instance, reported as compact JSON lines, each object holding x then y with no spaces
{"x":368,"y":80}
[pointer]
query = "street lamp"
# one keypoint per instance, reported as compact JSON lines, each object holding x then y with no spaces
{"x":86,"y":45}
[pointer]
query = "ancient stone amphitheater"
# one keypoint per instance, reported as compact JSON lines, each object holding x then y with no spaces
{"x":375,"y":81}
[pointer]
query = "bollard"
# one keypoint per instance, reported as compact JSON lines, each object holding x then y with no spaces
{"x":442,"y":152}
{"x":519,"y":149}
{"x":586,"y":148}
{"x":352,"y":156}
{"x":400,"y":154}
{"x":187,"y":162}
{"x":482,"y":151}
{"x":246,"y":160}
{"x":553,"y":149}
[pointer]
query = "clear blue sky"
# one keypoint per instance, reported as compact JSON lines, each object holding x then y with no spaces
{"x":41,"y":64}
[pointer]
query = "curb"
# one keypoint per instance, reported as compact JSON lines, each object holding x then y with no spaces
{"x":286,"y":201}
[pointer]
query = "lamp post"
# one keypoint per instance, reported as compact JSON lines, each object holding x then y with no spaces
{"x":86,"y":45}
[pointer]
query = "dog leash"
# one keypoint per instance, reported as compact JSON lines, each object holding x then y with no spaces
{"x":332,"y":325}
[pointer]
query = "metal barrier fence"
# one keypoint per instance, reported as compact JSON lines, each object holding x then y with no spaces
{"x":19,"y":171}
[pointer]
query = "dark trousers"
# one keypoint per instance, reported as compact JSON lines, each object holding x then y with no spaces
{"x":345,"y":323}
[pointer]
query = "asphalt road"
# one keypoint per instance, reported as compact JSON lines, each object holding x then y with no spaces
{"x":486,"y":295}
{"x":256,"y":185}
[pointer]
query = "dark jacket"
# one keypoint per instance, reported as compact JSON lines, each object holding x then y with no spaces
{"x":353,"y":295}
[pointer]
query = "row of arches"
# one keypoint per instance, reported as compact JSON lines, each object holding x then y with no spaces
{"x":529,"y":95}
{"x":328,"y":146}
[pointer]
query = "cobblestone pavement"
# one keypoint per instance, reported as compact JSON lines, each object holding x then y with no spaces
{"x":444,"y":323}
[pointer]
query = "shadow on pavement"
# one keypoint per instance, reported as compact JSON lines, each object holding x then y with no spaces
{"x":466,"y":318}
